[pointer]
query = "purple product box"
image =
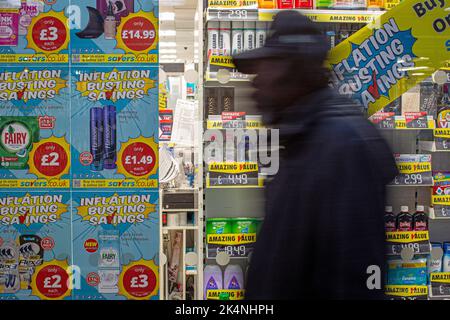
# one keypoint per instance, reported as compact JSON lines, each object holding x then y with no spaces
{"x":9,"y":27}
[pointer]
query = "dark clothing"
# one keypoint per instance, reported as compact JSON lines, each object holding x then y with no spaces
{"x":324,"y":212}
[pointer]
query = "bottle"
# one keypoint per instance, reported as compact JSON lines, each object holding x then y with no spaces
{"x":110,"y":23}
{"x":446,"y":257}
{"x":389,"y":220}
{"x":213,"y":38}
{"x":266,"y":4}
{"x":109,"y":141}
{"x":96,"y":138}
{"x":234,"y":277}
{"x":404,"y":220}
{"x":435,"y":265}
{"x":443,"y":116}
{"x":420,"y":219}
{"x":303,"y":4}
{"x":213,"y":279}
{"x":285,"y":4}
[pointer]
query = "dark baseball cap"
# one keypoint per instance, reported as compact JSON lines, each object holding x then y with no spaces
{"x":291,"y":35}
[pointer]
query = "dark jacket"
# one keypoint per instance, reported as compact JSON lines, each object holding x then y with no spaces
{"x":324,"y":212}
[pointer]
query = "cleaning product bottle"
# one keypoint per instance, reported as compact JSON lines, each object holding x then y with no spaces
{"x":404,"y":220}
{"x":420,"y":219}
{"x":213,"y":279}
{"x":389,"y":220}
{"x":435,"y":265}
{"x":234,"y":277}
{"x":446,"y":257}
{"x":443,"y":116}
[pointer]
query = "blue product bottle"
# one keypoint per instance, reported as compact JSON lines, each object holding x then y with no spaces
{"x":96,"y":138}
{"x":446,"y":257}
{"x":109,"y":123}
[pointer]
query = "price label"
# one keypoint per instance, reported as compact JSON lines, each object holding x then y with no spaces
{"x":233,"y":14}
{"x":233,"y":179}
{"x":422,"y":247}
{"x":138,"y":159}
{"x":234,"y":124}
{"x":440,"y":284}
{"x":139,"y":281}
{"x":52,"y":281}
{"x":50,"y":159}
{"x":441,"y":211}
{"x":138,"y":34}
{"x":234,"y":251}
{"x":442,"y":144}
{"x":411,"y":179}
{"x":49,"y":34}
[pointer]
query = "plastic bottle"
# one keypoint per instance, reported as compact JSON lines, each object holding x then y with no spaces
{"x":213,"y":279}
{"x":389,"y":220}
{"x":435,"y":265}
{"x":234,"y":277}
{"x":303,"y":4}
{"x":404,"y":220}
{"x":420,"y":219}
{"x":443,"y":117}
{"x":446,"y":258}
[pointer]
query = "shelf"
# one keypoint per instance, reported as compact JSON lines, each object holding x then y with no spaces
{"x":179,"y":210}
{"x":430,"y":146}
{"x":191,"y":272}
{"x":410,"y":185}
{"x":317,"y":15}
{"x":180,"y":228}
{"x":432,"y":215}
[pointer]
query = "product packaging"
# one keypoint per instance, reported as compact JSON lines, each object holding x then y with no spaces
{"x":389,"y":4}
{"x":165,"y":124}
{"x":35,"y":245}
{"x":211,"y":101}
{"x":429,"y":94}
{"x":412,"y":272}
{"x":285,"y":4}
{"x":249,"y":35}
{"x":233,"y":277}
{"x":213,"y":279}
{"x":225,"y":38}
{"x":34,"y":127}
{"x":390,"y":222}
{"x":420,"y":219}
{"x":435,"y":265}
{"x":260,"y":34}
{"x":324,"y":4}
{"x":304,"y":4}
{"x":245,"y":225}
{"x":213,"y":38}
{"x":219,"y":226}
{"x":350,"y":4}
{"x":404,"y":220}
{"x":446,"y":257}
{"x":226,"y":99}
{"x":115,"y":127}
{"x":25,"y":35}
{"x":375,"y":4}
{"x":443,"y":109}
{"x":115,"y":245}
{"x":266,"y":4}
{"x":119,"y":32}
{"x":237,"y":37}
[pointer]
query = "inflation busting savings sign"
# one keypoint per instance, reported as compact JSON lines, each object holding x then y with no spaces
{"x":393,"y":53}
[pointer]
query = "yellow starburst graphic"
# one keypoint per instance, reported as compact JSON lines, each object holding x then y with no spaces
{"x":138,"y":34}
{"x":133,"y":159}
{"x":122,"y":207}
{"x":48,"y":28}
{"x":115,"y":85}
{"x":51,"y":280}
{"x":50,"y":153}
{"x":139,"y":280}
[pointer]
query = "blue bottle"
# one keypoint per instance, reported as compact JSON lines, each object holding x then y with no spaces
{"x":96,"y":138}
{"x":109,"y":123}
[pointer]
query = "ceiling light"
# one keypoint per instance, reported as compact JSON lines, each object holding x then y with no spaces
{"x":167,"y":44}
{"x":167,"y":33}
{"x":166,"y":16}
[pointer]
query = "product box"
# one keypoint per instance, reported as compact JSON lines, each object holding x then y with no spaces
{"x":116,"y":32}
{"x":35,"y":32}
{"x":35,"y":245}
{"x":34,"y":127}
{"x":115,"y":127}
{"x":115,"y":245}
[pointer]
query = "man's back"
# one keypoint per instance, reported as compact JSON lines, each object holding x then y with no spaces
{"x":324,"y":215}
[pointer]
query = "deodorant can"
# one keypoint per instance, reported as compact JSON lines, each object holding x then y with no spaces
{"x":213,"y":38}
{"x":96,"y":138}
{"x":249,"y":35}
{"x":237,"y":37}
{"x":260,"y":34}
{"x":225,"y":38}
{"x":109,"y":124}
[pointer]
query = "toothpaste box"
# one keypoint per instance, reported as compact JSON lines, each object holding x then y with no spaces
{"x":35,"y":32}
{"x":116,"y":245}
{"x":35,"y":245}
{"x":34,"y":127}
{"x":114,"y":127}
{"x":115,"y":32}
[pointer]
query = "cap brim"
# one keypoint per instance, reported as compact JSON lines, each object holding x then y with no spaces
{"x":246,"y":62}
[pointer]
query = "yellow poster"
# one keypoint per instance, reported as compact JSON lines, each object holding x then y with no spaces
{"x":393,"y":53}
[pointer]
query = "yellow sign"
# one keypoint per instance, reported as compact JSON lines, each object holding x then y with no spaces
{"x":222,"y":61}
{"x":393,"y":53}
{"x":406,"y":291}
{"x":441,"y":277}
{"x":413,"y":167}
{"x":442,"y":133}
{"x":233,"y":167}
{"x":233,"y":4}
{"x":116,"y":183}
{"x":249,"y":124}
{"x":114,"y":58}
{"x":34,"y":183}
{"x":225,"y":295}
{"x":401,"y":124}
{"x":34,"y":58}
{"x":441,"y":200}
{"x":325,"y":17}
{"x":231,"y":239}
{"x":407,"y":236}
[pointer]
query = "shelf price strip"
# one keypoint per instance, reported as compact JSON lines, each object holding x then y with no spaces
{"x":396,"y":241}
{"x":235,"y":245}
{"x":233,"y":174}
{"x":415,"y":169}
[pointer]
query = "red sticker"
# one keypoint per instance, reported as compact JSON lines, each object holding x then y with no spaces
{"x":138,"y":34}
{"x":50,"y":159}
{"x":138,"y":159}
{"x":51,"y":281}
{"x":86,"y":158}
{"x":49,"y":33}
{"x":139,"y":281}
{"x":91,"y":245}
{"x":47,"y":243}
{"x":93,"y":279}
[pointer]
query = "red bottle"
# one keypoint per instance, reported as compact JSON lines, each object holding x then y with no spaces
{"x":303,"y":4}
{"x":390,"y":223}
{"x":420,"y":219}
{"x":285,"y":4}
{"x":404,"y":220}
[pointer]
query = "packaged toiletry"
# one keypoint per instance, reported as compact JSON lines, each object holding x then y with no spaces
{"x":225,"y":38}
{"x":446,"y":257}
{"x":435,"y":265}
{"x":9,"y":27}
{"x":404,"y":220}
{"x":350,"y":4}
{"x":420,"y":219}
{"x":390,"y":223}
{"x":285,"y":4}
{"x":244,"y":225}
{"x":213,"y":38}
{"x":233,"y":277}
{"x":303,"y":4}
{"x":266,"y":4}
{"x":402,"y":272}
{"x":213,"y":279}
{"x":260,"y":34}
{"x":29,"y":10}
{"x":375,"y":4}
{"x":443,"y":111}
{"x":249,"y":35}
{"x":109,"y":23}
{"x":324,"y":4}
{"x":237,"y":37}
{"x":219,"y":226}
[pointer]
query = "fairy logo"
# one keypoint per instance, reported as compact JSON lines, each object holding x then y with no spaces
{"x":15,"y":137}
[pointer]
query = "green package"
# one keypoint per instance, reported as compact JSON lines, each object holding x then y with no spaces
{"x":218,"y":226}
{"x":245,"y":225}
{"x":17,"y":135}
{"x":324,"y":4}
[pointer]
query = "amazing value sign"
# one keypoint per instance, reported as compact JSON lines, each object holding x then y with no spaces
{"x":393,"y":53}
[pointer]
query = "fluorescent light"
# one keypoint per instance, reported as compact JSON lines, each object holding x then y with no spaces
{"x":166,"y":16}
{"x":195,"y":33}
{"x":195,"y":44}
{"x":167,"y":33}
{"x":168,"y":51}
{"x":167,"y":44}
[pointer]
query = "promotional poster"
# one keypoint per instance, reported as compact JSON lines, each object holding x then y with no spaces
{"x":34,"y":127}
{"x":115,"y":245}
{"x":35,"y":245}
{"x":115,"y":127}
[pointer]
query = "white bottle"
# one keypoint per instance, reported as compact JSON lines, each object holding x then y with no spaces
{"x":233,"y":277}
{"x":225,"y":38}
{"x":237,"y":37}
{"x":249,"y":35}
{"x":213,"y":38}
{"x":261,"y":34}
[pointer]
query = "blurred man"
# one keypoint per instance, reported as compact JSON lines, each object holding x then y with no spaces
{"x":324,"y":212}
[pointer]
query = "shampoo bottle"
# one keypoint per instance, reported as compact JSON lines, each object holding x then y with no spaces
{"x":213,"y":278}
{"x":110,"y":23}
{"x":234,"y":277}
